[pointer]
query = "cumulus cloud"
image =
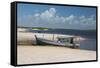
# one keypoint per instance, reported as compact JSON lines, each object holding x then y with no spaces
{"x":48,"y":14}
{"x":49,"y":18}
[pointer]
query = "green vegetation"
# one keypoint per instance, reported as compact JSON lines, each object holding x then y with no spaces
{"x":39,"y":28}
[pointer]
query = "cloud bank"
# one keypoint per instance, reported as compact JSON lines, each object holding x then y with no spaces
{"x":50,"y":19}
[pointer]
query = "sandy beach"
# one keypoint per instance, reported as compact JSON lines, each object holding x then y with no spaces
{"x":48,"y":54}
{"x":33,"y":54}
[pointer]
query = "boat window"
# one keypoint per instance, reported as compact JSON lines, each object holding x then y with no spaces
{"x":64,"y":40}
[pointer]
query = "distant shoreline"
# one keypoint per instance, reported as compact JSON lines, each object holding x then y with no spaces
{"x":56,"y":28}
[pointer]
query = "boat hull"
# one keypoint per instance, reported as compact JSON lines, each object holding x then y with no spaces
{"x":40,"y":41}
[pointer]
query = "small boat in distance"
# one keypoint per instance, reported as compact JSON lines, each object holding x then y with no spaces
{"x":61,"y":41}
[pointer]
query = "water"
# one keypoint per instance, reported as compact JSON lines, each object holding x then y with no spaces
{"x":88,"y":44}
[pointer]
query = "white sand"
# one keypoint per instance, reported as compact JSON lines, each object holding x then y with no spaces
{"x":48,"y":54}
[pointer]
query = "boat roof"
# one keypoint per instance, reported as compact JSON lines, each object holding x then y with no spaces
{"x":67,"y":37}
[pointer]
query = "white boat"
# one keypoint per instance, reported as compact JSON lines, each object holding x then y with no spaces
{"x":62,"y":41}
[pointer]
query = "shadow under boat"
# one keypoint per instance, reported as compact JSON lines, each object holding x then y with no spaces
{"x":62,"y":41}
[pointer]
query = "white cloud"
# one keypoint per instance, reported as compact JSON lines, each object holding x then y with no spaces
{"x":49,"y":18}
{"x":36,"y":15}
{"x":52,"y":11}
{"x":48,"y":13}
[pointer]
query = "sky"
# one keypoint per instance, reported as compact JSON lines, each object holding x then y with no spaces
{"x":55,"y":16}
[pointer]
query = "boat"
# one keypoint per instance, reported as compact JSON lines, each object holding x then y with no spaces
{"x":62,"y":41}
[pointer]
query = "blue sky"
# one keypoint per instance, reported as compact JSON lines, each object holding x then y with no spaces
{"x":67,"y":17}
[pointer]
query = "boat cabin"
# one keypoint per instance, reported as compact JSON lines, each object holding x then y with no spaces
{"x":70,"y":40}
